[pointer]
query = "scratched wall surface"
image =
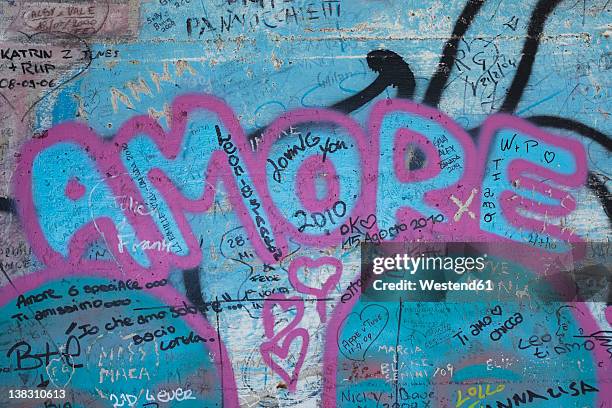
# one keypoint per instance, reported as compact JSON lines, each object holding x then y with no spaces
{"x":185,"y":186}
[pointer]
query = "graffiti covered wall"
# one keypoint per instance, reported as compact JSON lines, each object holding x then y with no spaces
{"x":186,"y":186}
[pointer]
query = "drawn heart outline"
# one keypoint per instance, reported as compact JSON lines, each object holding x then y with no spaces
{"x":550,"y":154}
{"x":282,"y":351}
{"x":59,"y":84}
{"x":496,"y":311}
{"x":360,"y":317}
{"x":55,"y":369}
{"x":319,"y":293}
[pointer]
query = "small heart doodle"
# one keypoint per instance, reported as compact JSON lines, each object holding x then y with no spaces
{"x":369,"y":222}
{"x":496,"y":311}
{"x":549,"y":156}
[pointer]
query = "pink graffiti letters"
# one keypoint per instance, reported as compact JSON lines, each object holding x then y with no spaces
{"x":429,"y":188}
{"x":107,"y":157}
{"x":528,"y":176}
{"x":267,"y":226}
{"x":458,"y":180}
{"x":280,"y":342}
{"x":311,"y":169}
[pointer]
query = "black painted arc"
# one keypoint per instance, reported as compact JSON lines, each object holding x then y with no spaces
{"x":392,"y":71}
{"x":535,"y":28}
{"x":438,"y":81}
{"x":599,"y":188}
{"x":572,"y":125}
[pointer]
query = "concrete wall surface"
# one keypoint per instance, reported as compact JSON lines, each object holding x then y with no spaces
{"x":189,"y":189}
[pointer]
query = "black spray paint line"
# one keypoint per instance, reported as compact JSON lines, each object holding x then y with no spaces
{"x":573,"y":125}
{"x":436,"y":85}
{"x":193,"y":288}
{"x":7,"y":205}
{"x":221,"y":361}
{"x":530,"y":48}
{"x":599,"y":188}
